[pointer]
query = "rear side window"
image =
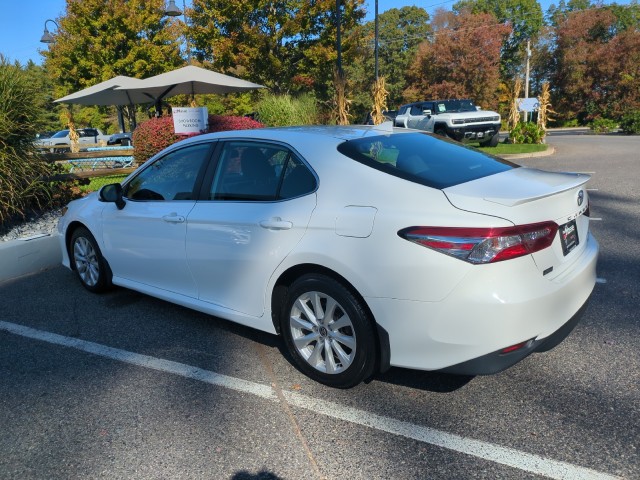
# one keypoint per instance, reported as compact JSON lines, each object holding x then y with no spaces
{"x":422,"y":158}
{"x":253,"y":171}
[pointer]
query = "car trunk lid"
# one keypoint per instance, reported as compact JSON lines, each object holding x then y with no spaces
{"x":524,"y":196}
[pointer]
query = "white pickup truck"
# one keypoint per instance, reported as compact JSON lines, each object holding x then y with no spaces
{"x":60,"y":142}
{"x":457,"y":119}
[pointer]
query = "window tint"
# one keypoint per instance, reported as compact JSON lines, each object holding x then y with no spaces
{"x":259,"y":172}
{"x":424,"y":159}
{"x":298,"y":180}
{"x":88,"y":132}
{"x":416,"y":110}
{"x":172,"y":177}
{"x":455,"y":106}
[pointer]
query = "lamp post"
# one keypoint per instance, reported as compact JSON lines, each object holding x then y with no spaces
{"x":173,"y":11}
{"x":46,"y":36}
{"x":375,"y":54}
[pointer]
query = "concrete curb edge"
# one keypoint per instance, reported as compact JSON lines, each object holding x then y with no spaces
{"x":29,"y":255}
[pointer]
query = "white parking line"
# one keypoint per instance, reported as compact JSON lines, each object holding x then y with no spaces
{"x":485,"y":450}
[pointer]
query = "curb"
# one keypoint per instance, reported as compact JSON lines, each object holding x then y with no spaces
{"x":29,"y":255}
{"x":514,"y":156}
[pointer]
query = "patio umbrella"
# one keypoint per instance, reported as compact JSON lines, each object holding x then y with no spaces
{"x":105,"y":93}
{"x":188,"y":80}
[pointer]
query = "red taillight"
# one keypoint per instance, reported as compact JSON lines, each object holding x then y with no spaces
{"x":514,"y":348}
{"x":484,"y":245}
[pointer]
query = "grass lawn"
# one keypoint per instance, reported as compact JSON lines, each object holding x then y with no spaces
{"x":508,"y":148}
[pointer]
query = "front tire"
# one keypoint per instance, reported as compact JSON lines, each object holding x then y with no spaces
{"x":441,"y":132}
{"x":90,"y":266}
{"x":328,"y":332}
{"x":492,"y":142}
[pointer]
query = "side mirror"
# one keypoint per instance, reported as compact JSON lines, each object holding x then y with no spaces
{"x":112,"y":193}
{"x":426,"y":112}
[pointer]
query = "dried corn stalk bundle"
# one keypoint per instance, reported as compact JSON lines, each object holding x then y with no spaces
{"x":514,"y":116}
{"x":544,"y":106}
{"x":73,"y":133}
{"x":380,"y":95}
{"x":341,"y":107}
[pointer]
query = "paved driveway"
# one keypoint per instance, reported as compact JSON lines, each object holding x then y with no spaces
{"x":126,"y":386}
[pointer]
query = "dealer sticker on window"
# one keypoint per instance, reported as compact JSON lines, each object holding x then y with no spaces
{"x":569,"y":236}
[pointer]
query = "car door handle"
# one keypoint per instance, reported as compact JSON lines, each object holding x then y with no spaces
{"x":276,"y":224}
{"x":173,"y":218}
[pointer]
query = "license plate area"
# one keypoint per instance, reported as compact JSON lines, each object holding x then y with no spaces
{"x":569,"y":236}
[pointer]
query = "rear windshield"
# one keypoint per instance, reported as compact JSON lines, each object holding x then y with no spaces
{"x":423,"y":158}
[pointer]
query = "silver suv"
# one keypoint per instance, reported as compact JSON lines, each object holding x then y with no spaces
{"x":457,"y":119}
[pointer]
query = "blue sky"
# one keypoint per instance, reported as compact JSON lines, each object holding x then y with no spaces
{"x":22,"y":22}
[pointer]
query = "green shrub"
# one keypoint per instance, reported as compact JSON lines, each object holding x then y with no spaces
{"x":603,"y":125}
{"x":526,"y":132}
{"x":156,"y":134}
{"x":284,"y":110}
{"x":630,"y":123}
{"x":23,"y":174}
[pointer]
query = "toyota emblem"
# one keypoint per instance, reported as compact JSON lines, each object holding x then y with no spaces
{"x":580,"y":197}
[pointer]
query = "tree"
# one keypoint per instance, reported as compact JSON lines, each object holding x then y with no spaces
{"x":526,"y":20}
{"x":598,"y":65}
{"x":99,"y":39}
{"x":286,"y":45}
{"x":45,"y":113}
{"x":400,"y":31}
{"x":461,"y":61}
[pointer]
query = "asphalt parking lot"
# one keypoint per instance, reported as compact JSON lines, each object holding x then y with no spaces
{"x":126,"y":386}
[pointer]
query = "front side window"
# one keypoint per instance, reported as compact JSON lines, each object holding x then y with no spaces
{"x":88,"y":132}
{"x":423,"y":158}
{"x":172,"y":177}
{"x":416,"y":110}
{"x":252,"y":171}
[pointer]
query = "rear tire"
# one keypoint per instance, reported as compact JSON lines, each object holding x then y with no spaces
{"x":328,"y":332}
{"x":90,"y":266}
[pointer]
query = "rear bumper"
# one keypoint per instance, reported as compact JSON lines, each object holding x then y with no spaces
{"x":497,"y":361}
{"x":486,"y":313}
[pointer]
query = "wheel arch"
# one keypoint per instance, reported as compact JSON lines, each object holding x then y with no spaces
{"x":440,"y":127}
{"x":279,"y":294}
{"x":71,"y":228}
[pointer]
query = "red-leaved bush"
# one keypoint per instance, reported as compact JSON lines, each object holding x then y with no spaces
{"x":156,"y":134}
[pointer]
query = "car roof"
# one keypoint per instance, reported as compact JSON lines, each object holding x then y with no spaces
{"x":339,"y":133}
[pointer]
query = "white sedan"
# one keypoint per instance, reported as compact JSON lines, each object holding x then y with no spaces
{"x":364,"y":247}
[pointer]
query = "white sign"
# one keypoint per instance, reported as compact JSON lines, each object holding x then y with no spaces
{"x":528,"y":104}
{"x":190,"y":120}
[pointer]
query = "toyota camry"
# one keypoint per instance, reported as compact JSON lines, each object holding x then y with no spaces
{"x":363,"y":247}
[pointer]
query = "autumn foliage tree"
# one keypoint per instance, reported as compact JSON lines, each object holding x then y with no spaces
{"x":462,"y":60}
{"x":288,"y":46}
{"x":400,"y":31}
{"x":100,"y":39}
{"x":598,"y":66}
{"x":526,"y":19}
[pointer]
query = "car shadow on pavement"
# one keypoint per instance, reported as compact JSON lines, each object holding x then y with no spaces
{"x":422,"y":380}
